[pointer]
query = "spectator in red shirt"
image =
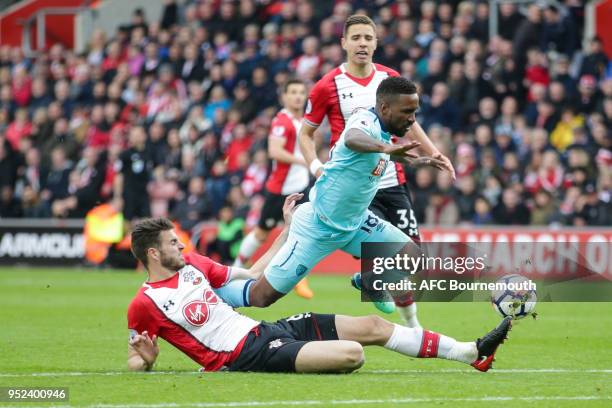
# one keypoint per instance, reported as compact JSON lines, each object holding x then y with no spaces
{"x":19,"y":128}
{"x":241,"y":143}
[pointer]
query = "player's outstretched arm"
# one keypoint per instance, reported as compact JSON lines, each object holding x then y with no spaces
{"x":421,"y":162}
{"x":360,"y":142}
{"x":277,"y":152}
{"x":417,"y":133}
{"x":309,"y":149}
{"x":142,"y":352}
{"x":288,"y":209}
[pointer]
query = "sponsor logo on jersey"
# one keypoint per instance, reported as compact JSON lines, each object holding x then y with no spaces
{"x":197,"y":280}
{"x":380,"y":168}
{"x":196,"y":312}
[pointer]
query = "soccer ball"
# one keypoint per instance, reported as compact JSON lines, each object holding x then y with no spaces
{"x":516,"y":303}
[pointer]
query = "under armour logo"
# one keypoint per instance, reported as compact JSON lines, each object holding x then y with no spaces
{"x":349,"y":95}
{"x":168,"y":305}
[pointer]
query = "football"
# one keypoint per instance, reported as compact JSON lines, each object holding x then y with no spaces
{"x":516,"y":299}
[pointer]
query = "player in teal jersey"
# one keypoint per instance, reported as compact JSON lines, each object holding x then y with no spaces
{"x":337,"y":216}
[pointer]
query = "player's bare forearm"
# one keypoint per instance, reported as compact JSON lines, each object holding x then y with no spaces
{"x":289,"y":207}
{"x":307,"y":144}
{"x":259,"y":266}
{"x":360,"y":142}
{"x":278,"y":153}
{"x":417,"y":133}
{"x":309,"y":149}
{"x":429,"y":149}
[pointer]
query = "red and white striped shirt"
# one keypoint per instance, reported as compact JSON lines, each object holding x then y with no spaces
{"x":185,"y":311}
{"x":337,"y":95}
{"x":287,"y":178}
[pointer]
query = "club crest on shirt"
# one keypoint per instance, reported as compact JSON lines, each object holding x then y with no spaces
{"x":278,"y":131}
{"x":189,"y":276}
{"x":380,"y":168}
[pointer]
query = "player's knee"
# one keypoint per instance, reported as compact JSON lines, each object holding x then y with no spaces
{"x":376,"y":323}
{"x":377,"y":327}
{"x":354,"y":356}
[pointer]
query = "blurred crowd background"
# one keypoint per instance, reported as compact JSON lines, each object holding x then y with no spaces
{"x":182,"y":107}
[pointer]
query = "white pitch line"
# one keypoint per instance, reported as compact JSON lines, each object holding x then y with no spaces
{"x":398,"y":371}
{"x":408,"y":400}
{"x":494,"y":371}
{"x":96,"y":373}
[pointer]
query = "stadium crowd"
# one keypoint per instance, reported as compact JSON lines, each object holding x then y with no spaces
{"x":180,"y":108}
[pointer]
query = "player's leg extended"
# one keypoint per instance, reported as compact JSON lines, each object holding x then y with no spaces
{"x":322,"y":351}
{"x":271,"y":214}
{"x":416,"y":342}
{"x":388,"y":307}
{"x":308,"y":242}
{"x":393,"y":204}
{"x":375,"y":229}
{"x":332,"y":356}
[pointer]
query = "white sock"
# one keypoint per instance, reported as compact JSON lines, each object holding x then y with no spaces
{"x":416,"y":342}
{"x":249,"y":245}
{"x":409,"y":315}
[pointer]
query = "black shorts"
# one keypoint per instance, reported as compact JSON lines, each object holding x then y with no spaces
{"x":136,"y":206}
{"x":273,"y":347}
{"x":272,"y":211}
{"x":394,"y":205}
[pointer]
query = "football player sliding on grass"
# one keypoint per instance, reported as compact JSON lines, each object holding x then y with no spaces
{"x":178,"y":303}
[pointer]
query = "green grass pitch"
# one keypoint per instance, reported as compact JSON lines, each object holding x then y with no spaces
{"x":67,"y":328}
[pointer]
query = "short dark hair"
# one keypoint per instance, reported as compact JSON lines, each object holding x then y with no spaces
{"x":145,"y":235}
{"x":292,"y":81}
{"x":393,"y":86}
{"x":357,"y":19}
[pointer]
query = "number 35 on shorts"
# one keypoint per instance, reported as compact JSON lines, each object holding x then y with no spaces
{"x":405,"y":222}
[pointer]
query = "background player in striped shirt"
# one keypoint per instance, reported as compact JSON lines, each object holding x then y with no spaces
{"x":178,"y":303}
{"x":289,"y":173}
{"x":348,"y":87}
